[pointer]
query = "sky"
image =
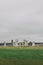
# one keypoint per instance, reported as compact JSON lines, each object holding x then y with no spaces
{"x":21,"y":19}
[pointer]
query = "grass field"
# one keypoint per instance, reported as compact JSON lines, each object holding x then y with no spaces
{"x":21,"y":55}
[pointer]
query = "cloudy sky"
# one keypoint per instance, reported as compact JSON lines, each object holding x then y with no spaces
{"x":21,"y":19}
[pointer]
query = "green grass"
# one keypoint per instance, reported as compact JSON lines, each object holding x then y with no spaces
{"x":21,"y":56}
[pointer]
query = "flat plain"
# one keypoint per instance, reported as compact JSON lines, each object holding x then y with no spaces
{"x":21,"y":55}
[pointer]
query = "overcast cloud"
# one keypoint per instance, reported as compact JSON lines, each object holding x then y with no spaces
{"x":22,"y":19}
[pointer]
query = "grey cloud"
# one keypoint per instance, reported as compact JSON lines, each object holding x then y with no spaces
{"x":21,"y":19}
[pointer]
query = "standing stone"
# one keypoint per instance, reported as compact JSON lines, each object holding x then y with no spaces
{"x":26,"y":43}
{"x":16,"y":42}
{"x":5,"y":44}
{"x":12,"y":42}
{"x":33,"y":43}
